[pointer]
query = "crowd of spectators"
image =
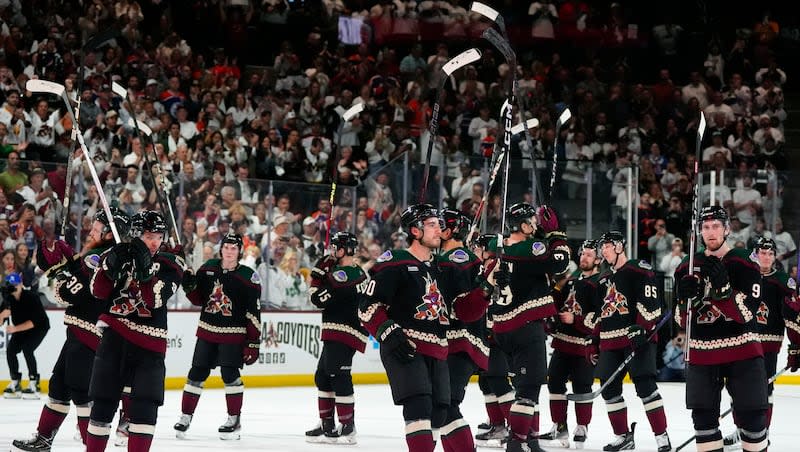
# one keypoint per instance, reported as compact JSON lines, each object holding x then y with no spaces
{"x":253,"y":148}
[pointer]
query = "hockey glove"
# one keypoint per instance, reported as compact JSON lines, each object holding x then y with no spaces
{"x":394,"y":339}
{"x":717,"y":275}
{"x":47,"y":257}
{"x":321,"y":269}
{"x":502,"y":276}
{"x":117,"y":261}
{"x":591,"y":351}
{"x":176,"y":250}
{"x":250,"y":353}
{"x":486,"y":280}
{"x":793,"y":360}
{"x":189,"y":281}
{"x":142,"y":259}
{"x":637,"y":335}
{"x":689,"y":290}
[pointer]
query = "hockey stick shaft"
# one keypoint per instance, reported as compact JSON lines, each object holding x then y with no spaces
{"x":347,"y":115}
{"x":594,"y":394}
{"x":770,"y":380}
{"x":696,"y":203}
{"x":562,"y":119}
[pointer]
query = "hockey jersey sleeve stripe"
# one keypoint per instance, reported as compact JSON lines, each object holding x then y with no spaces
{"x":372,"y":316}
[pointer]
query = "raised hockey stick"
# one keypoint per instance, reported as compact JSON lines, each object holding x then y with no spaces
{"x":770,"y":380}
{"x":585,"y":397}
{"x":516,"y":130}
{"x":696,"y":203}
{"x":348,"y":115}
{"x":491,"y":14}
{"x":139,"y":130}
{"x":565,"y":116}
{"x":462,"y":59}
{"x":44,"y":86}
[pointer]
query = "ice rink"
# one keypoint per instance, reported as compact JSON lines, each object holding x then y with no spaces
{"x":275,"y":419}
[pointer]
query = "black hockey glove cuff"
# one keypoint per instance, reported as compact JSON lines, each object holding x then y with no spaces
{"x":717,"y":275}
{"x":690,"y":291}
{"x":117,"y":261}
{"x":189,"y":281}
{"x":793,"y":360}
{"x":637,"y":335}
{"x":391,"y":336}
{"x":502,"y":276}
{"x":142,"y":259}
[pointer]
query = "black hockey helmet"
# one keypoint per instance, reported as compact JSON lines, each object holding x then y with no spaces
{"x":147,"y":221}
{"x":764,"y":243}
{"x":415,"y":214}
{"x":611,"y":237}
{"x":234,"y":239}
{"x":715,"y":213}
{"x":484,"y":240}
{"x":346,"y":241}
{"x":519,"y":213}
{"x":121,"y":220}
{"x":456,"y":222}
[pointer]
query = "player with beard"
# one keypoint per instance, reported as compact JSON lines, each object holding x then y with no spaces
{"x":137,"y":280}
{"x":403,"y":307}
{"x":334,"y":282}
{"x":468,"y":349}
{"x":717,"y":304}
{"x":72,"y":274}
{"x":626,"y":310}
{"x":775,"y":314}
{"x":228,"y":334}
{"x":574,"y":348}
{"x":525,"y":300}
{"x":494,"y":382}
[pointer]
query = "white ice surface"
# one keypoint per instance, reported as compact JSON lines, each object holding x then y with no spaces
{"x":275,"y":419}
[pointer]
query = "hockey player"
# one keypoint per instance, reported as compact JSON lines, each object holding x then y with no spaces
{"x":468,"y":349}
{"x":72,"y":274}
{"x":136,"y":280}
{"x":334,"y":280}
{"x":403,"y":307}
{"x":625,"y":314}
{"x":524,"y":302}
{"x":575,"y":349}
{"x":228,"y":334}
{"x":717,"y":303}
{"x":494,"y":382}
{"x":774,"y":314}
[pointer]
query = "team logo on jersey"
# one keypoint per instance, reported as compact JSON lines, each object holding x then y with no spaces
{"x":614,"y":302}
{"x":339,"y":276}
{"x":432,"y":306}
{"x":458,"y":256}
{"x":254,"y":278}
{"x":129,"y":301}
{"x":538,"y":248}
{"x":218,"y":302}
{"x":762,"y":314}
{"x":92,"y":261}
{"x":385,"y":257}
{"x":571,"y":304}
{"x":709,"y":314}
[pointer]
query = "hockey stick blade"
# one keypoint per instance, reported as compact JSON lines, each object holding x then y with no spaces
{"x":491,"y":35}
{"x":565,"y":116}
{"x":484,"y":10}
{"x":351,"y":112}
{"x":585,"y":397}
{"x":701,"y":130}
{"x":119,"y":90}
{"x":44,"y":86}
{"x":144,"y":128}
{"x":529,"y":124}
{"x":462,"y":59}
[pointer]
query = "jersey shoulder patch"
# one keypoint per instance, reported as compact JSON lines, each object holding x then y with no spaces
{"x":791,"y":283}
{"x":385,"y":257}
{"x":339,"y":275}
{"x":255,"y":279}
{"x":645,"y":265}
{"x":538,"y":248}
{"x":92,"y":261}
{"x":458,"y":256}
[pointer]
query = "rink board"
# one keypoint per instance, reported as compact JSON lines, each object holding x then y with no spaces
{"x":290,"y":349}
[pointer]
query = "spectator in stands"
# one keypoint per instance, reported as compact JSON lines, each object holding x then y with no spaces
{"x":37,"y":192}
{"x":289,"y":286}
{"x":13,"y":179}
{"x":785,"y":245}
{"x":674,"y":359}
{"x":740,"y":232}
{"x":747,"y":201}
{"x":669,"y":262}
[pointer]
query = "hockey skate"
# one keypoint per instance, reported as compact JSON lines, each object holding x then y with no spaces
{"x":36,"y":443}
{"x":485,"y":425}
{"x":324,"y":432}
{"x":121,"y":438}
{"x":345,"y":434}
{"x":32,"y":391}
{"x":516,"y":445}
{"x":622,"y":442}
{"x":558,"y":436}
{"x":732,"y":441}
{"x":662,"y":441}
{"x":495,"y":437}
{"x":579,"y":436}
{"x":231,"y":429}
{"x":13,"y":390}
{"x":182,"y":426}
